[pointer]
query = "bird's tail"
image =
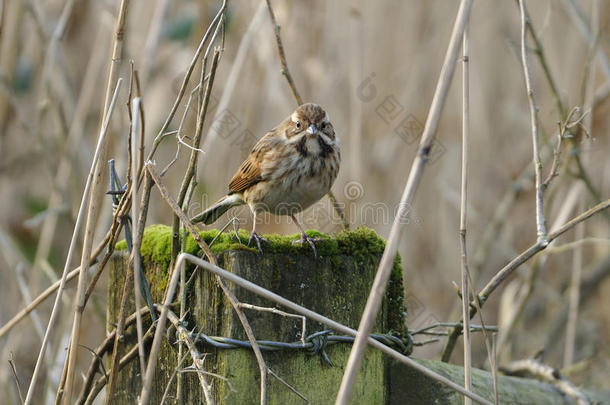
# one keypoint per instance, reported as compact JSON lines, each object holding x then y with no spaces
{"x":218,"y":209}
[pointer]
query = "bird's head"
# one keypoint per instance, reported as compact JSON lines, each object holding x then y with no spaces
{"x":309,"y":120}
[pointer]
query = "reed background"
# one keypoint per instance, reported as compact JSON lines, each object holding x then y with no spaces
{"x":371,"y":65}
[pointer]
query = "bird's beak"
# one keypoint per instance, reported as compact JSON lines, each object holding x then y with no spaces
{"x":312,"y":129}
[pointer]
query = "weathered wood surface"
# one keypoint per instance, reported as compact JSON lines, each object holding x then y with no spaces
{"x":408,"y":386}
{"x":334,"y":285}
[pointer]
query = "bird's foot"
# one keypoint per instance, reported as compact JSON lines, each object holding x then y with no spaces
{"x":258,"y":239}
{"x":310,"y":241}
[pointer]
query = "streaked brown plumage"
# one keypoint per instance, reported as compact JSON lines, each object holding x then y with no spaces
{"x":288,"y":170}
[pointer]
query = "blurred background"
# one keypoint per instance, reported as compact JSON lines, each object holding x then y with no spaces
{"x":374,"y":67}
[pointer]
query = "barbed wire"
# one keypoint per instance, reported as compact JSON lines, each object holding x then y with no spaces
{"x":316,"y":343}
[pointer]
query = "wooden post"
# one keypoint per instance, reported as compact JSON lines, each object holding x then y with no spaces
{"x":408,"y":386}
{"x":335,"y":285}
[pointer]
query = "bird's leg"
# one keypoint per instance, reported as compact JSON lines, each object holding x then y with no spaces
{"x":255,"y":236}
{"x":305,"y":238}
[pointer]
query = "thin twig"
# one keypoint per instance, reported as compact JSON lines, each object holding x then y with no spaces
{"x":387,"y":260}
{"x":171,"y":378}
{"x":281,"y":313}
{"x":178,"y":133}
{"x":577,"y":264}
{"x":107,"y":345}
{"x":185,"y":81}
{"x":126,"y":359}
{"x":113,"y":234}
{"x":290,"y":387}
{"x":19,"y":316}
{"x":192,"y":165}
{"x":286,"y":72}
{"x":467,"y":284}
{"x":13,"y":368}
{"x":280,"y":51}
{"x":170,"y":291}
{"x":197,"y":358}
{"x":508,"y":269}
{"x":473,"y":327}
{"x":118,"y":332}
{"x":540,"y":221}
{"x":96,"y":198}
{"x":563,"y":113}
{"x":136,"y":264}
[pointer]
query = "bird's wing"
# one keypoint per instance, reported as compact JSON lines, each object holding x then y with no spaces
{"x":249,"y":173}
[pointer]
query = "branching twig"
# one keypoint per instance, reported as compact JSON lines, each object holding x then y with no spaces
{"x":197,"y":358}
{"x":107,"y":345}
{"x":190,"y":171}
{"x":281,"y":313}
{"x":507,"y":270}
{"x":185,"y":81}
{"x":572,"y":120}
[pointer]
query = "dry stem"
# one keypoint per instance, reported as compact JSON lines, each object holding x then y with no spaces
{"x":71,"y":249}
{"x":540,"y":221}
{"x":84,"y":265}
{"x":463,"y":209}
{"x":387,"y":260}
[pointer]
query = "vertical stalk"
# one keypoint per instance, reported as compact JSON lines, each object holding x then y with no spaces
{"x":463,"y":209}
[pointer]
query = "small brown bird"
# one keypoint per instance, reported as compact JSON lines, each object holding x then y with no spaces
{"x":288,"y":170}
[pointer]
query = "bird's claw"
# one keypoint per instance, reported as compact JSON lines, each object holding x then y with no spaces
{"x":258,"y":240}
{"x":310,"y":241}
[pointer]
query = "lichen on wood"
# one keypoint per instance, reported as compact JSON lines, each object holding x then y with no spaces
{"x":336,"y":284}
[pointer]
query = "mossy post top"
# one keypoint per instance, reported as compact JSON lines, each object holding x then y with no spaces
{"x":360,"y":242}
{"x":362,"y":247}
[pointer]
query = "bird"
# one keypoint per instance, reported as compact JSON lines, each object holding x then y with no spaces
{"x":290,"y":168}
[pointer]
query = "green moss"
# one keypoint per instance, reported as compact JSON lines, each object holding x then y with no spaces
{"x":361,"y":243}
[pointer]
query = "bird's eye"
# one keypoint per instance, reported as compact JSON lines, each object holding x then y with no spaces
{"x":298,"y":124}
{"x":324,"y":126}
